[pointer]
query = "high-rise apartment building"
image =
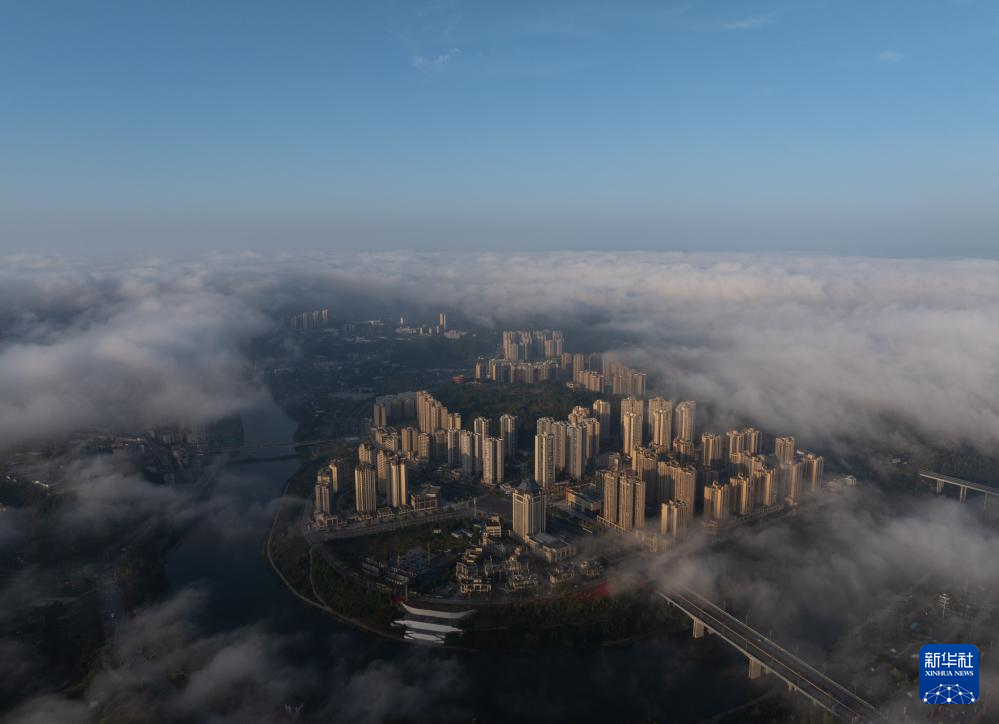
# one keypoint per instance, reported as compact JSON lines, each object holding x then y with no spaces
{"x":683,"y":423}
{"x":408,"y":438}
{"x":789,"y":481}
{"x":711,"y":450}
{"x":425,"y":447}
{"x":323,"y":498}
{"x":453,"y":448}
{"x":735,"y":442}
{"x":439,"y":447}
{"x":365,"y":489}
{"x":559,"y":433}
{"x":544,"y":459}
{"x":661,"y":425}
{"x":528,"y":510}
{"x":717,"y":505}
{"x":636,"y":406}
{"x":679,"y":483}
{"x":379,"y":415}
{"x":752,"y":440}
{"x":575,"y":450}
{"x":623,"y":380}
{"x":630,"y":502}
{"x":741,"y":492}
{"x":812,"y":471}
{"x":493,"y":456}
{"x":784,"y":449}
{"x":466,"y":447}
{"x":631,"y":432}
{"x":654,"y":405}
{"x":766,"y":484}
{"x":644,"y":463}
{"x":623,"y":499}
{"x":508,"y":433}
{"x":683,"y":450}
{"x":337,"y":472}
{"x":602,"y":411}
{"x":480,"y":426}
{"x":673,"y":520}
{"x":382,"y":459}
{"x":398,"y":489}
{"x":591,"y":427}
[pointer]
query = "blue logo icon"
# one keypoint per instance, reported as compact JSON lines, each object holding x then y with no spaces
{"x":948,"y":674}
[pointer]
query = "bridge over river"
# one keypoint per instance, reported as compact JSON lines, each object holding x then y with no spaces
{"x":767,"y":657}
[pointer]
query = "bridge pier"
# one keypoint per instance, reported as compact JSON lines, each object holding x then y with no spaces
{"x":964,"y":493}
{"x":698,"y":628}
{"x":812,"y":684}
{"x":940,"y":486}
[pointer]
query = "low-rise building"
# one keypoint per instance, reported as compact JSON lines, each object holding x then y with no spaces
{"x":550,"y":548}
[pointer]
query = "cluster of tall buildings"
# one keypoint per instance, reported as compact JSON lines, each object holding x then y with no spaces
{"x":507,"y":371}
{"x":427,"y":330}
{"x":331,"y":480}
{"x":536,"y":357}
{"x":379,"y":474}
{"x":523,"y":346}
{"x":623,"y":504}
{"x":565,"y":448}
{"x":389,"y":409}
{"x":622,"y":380}
{"x":758,"y":481}
{"x":383,"y":472}
{"x":481,"y":453}
{"x":665,"y":467}
{"x":651,"y":481}
{"x":595,"y":374}
{"x":310,"y":320}
{"x":391,"y":454}
{"x":670,"y":431}
{"x":529,"y":357}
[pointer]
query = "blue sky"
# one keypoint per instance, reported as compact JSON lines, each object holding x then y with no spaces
{"x":860,"y":126}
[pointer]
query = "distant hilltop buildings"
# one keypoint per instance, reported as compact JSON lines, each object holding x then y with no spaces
{"x":321,"y":319}
{"x":310,"y":320}
{"x":429,"y":330}
{"x":533,"y":357}
{"x":532,"y":345}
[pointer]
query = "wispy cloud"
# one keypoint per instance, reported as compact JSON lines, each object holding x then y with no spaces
{"x":752,"y":22}
{"x":428,"y":64}
{"x":889,"y":56}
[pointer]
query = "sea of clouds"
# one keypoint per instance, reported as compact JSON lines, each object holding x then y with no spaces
{"x":827,"y":348}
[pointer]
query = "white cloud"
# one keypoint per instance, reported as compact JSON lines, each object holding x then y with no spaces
{"x":427,"y":64}
{"x":889,"y":56}
{"x":751,"y":23}
{"x":247,"y":675}
{"x":829,"y":348}
{"x":825,"y":347}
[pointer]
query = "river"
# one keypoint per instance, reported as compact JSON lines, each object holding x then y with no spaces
{"x":652,"y":680}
